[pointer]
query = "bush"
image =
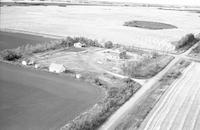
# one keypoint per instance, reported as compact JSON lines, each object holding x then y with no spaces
{"x":187,"y":40}
{"x":96,"y":116}
{"x":87,"y":42}
{"x":68,"y":42}
{"x":108,"y":44}
{"x":29,"y":49}
{"x":10,"y":55}
{"x":146,"y":67}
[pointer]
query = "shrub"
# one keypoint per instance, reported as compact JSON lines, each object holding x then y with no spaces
{"x":29,"y":49}
{"x":123,"y":55}
{"x":87,"y":42}
{"x":10,"y":55}
{"x":185,"y":41}
{"x":68,"y":42}
{"x":108,"y":44}
{"x":146,"y":67}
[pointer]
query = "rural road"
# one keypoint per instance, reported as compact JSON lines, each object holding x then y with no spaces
{"x":115,"y":119}
{"x":179,"y":107}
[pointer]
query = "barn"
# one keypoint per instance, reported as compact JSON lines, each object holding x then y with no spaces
{"x":56,"y":68}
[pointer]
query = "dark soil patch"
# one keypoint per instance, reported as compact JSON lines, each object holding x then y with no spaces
{"x":149,"y":25}
{"x":11,"y":40}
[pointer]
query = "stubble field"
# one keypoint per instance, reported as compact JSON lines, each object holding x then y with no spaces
{"x":102,"y":23}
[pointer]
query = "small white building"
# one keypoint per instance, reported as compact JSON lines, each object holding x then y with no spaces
{"x":36,"y":66}
{"x":24,"y":63}
{"x":56,"y":68}
{"x":78,"y":76}
{"x":79,"y":45}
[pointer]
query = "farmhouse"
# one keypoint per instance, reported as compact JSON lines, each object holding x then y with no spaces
{"x":56,"y":68}
{"x":79,"y":45}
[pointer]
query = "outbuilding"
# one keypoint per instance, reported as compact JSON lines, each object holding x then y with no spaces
{"x":24,"y":63}
{"x":79,"y":45}
{"x":78,"y":76}
{"x":56,"y":68}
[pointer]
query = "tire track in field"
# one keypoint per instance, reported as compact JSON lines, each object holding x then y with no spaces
{"x":179,"y":109}
{"x":162,"y":110}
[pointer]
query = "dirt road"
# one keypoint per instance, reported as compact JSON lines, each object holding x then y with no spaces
{"x":179,"y":108}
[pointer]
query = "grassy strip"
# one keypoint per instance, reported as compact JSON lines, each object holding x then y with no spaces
{"x":196,"y":51}
{"x":147,"y":67}
{"x":134,"y":118}
{"x":96,"y":116}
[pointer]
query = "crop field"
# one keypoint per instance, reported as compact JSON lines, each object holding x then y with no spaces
{"x":179,"y":107}
{"x":38,"y":100}
{"x":13,"y":40}
{"x":102,"y":23}
{"x":120,"y":67}
{"x":196,"y":51}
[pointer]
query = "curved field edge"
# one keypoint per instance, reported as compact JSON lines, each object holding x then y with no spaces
{"x":149,"y":25}
{"x":115,"y":96}
{"x":100,"y":112}
{"x":134,"y":119}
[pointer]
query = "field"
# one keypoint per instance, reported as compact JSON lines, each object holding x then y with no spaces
{"x":128,"y":74}
{"x":134,"y":118}
{"x":32,"y":99}
{"x":196,"y":51}
{"x":102,"y":23}
{"x":13,"y":40}
{"x":179,"y":108}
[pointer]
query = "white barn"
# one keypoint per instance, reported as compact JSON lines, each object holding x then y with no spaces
{"x":56,"y":68}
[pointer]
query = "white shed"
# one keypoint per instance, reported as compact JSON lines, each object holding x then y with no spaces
{"x":57,"y":68}
{"x":36,"y":66}
{"x":24,"y":62}
{"x":78,"y":76}
{"x":78,"y":45}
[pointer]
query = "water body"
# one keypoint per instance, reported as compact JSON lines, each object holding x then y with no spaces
{"x":35,"y":100}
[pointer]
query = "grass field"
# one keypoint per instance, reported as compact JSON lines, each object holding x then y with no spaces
{"x":102,"y":23}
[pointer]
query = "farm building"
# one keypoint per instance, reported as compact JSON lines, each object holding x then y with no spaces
{"x":56,"y":68}
{"x":24,"y":62}
{"x":79,"y":45}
